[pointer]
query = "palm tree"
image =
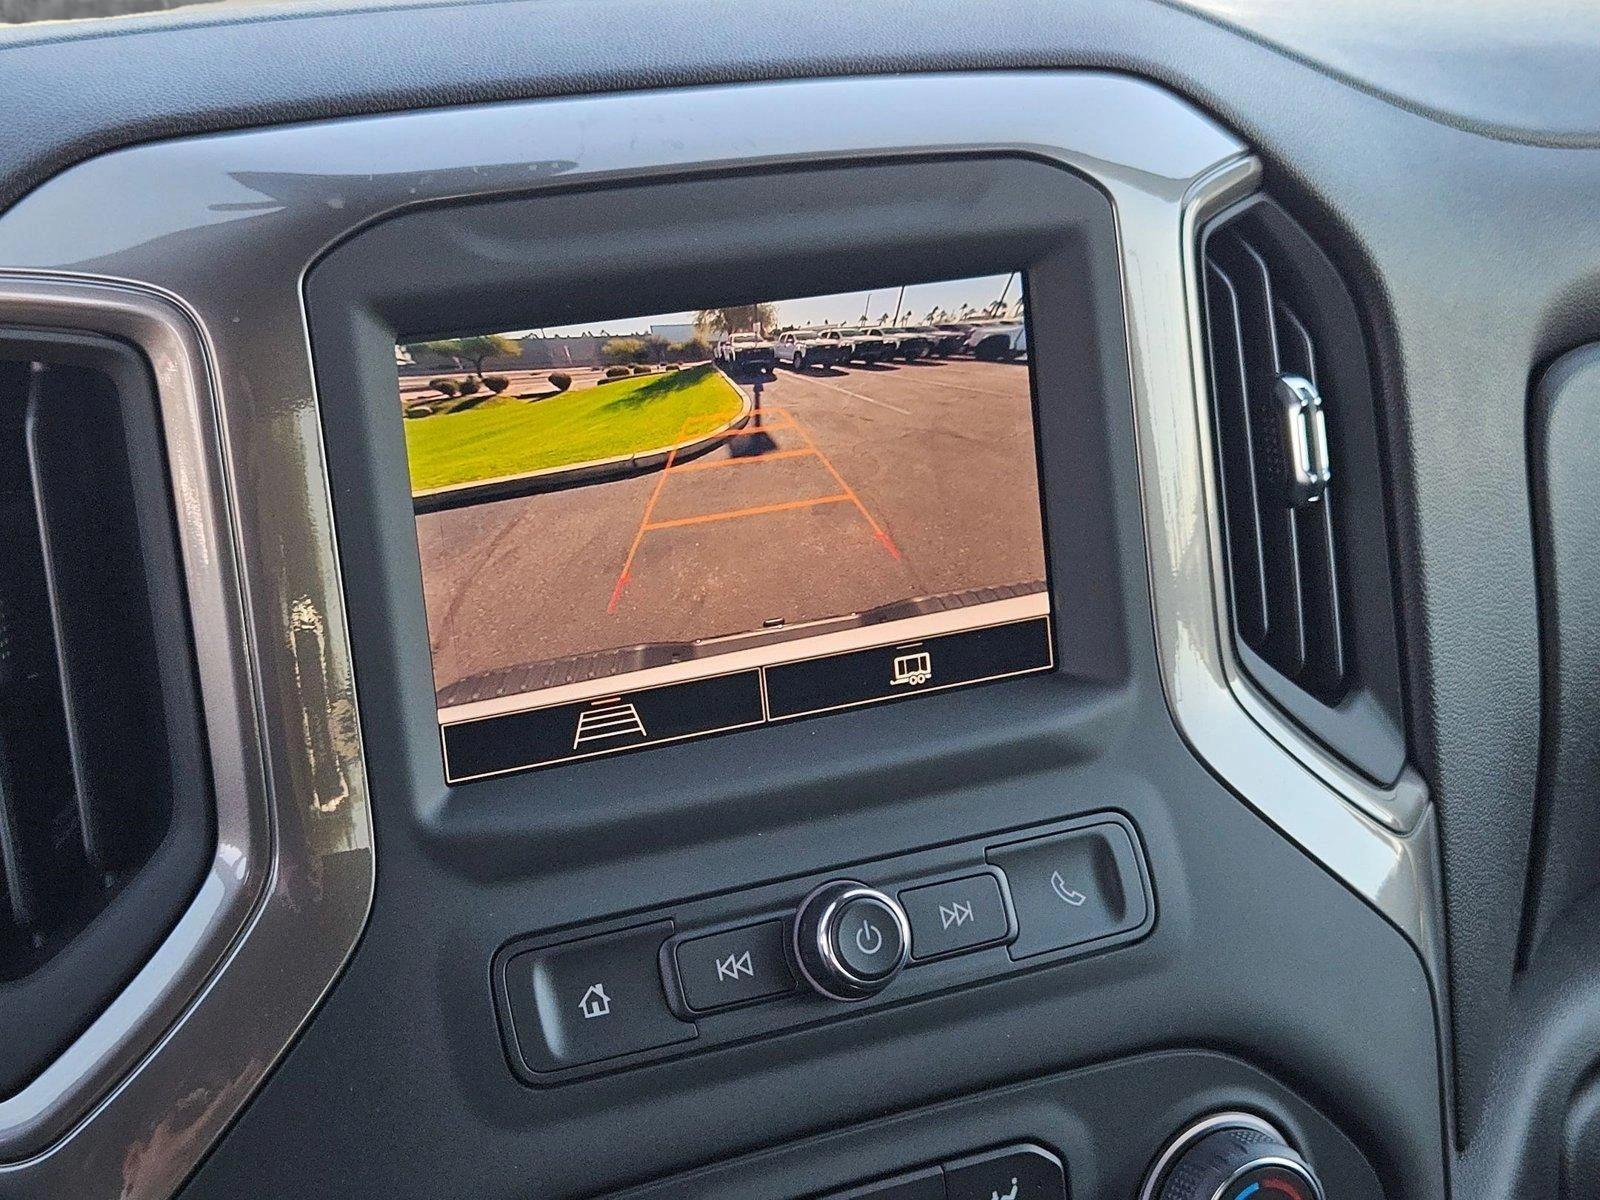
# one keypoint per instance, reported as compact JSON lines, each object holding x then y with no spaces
{"x":737,"y":318}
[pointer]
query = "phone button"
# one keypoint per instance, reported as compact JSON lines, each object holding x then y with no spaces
{"x":1072,"y":888}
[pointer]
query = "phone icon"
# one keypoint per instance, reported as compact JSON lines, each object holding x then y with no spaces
{"x":1069,"y":895}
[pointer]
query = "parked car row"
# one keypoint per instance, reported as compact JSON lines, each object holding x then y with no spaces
{"x":840,"y":346}
{"x":745,"y":353}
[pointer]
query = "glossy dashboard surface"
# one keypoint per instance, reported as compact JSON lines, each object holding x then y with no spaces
{"x":1432,"y":223}
{"x":257,"y":209}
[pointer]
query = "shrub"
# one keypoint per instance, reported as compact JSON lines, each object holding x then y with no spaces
{"x":445,"y":387}
{"x":560,"y":380}
{"x":496,"y":383}
{"x":468,"y":386}
{"x":672,"y":367}
{"x":641,"y":370}
{"x":418,"y":410}
{"x":617,"y":372}
{"x":694,"y":350}
{"x":623,"y":350}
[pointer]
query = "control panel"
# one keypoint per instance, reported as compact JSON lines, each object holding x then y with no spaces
{"x":1225,"y":1156}
{"x":759,"y":961}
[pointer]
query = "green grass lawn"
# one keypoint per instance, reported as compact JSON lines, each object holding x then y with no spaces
{"x":511,"y":436}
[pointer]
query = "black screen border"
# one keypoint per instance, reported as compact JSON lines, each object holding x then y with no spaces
{"x":686,"y":242}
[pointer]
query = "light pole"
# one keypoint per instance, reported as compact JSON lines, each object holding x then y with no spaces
{"x":1000,"y":303}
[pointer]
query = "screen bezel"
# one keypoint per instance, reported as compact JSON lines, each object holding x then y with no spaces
{"x":688,"y":241}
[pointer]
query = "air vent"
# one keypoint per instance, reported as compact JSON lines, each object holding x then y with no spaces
{"x":105,"y":825}
{"x":1298,"y":467}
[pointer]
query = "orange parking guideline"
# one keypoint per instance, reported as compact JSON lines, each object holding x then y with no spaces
{"x":755,"y":511}
{"x":747,"y":431}
{"x":847,"y":494}
{"x":713,"y":463}
{"x":627,"y":565}
{"x":878,"y":531}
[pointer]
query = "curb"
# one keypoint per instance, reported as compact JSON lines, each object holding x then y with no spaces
{"x":555,"y":479}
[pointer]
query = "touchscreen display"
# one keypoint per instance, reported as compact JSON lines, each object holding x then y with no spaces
{"x":644,"y":529}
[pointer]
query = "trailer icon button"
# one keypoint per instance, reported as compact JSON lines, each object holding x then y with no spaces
{"x":911,"y":670}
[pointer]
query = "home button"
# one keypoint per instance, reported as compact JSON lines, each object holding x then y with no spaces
{"x":597,"y":998}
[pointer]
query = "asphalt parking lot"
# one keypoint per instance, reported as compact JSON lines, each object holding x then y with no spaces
{"x":866,"y":486}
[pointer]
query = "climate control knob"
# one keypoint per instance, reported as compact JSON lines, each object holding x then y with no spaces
{"x":850,"y":940}
{"x":1232,"y":1157}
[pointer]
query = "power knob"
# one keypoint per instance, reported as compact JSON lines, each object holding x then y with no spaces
{"x":850,"y":940}
{"x":1231,"y":1156}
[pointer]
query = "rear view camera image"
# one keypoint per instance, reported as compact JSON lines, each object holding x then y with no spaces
{"x":640,"y":530}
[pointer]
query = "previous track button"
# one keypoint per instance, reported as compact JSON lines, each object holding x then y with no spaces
{"x":723,"y":969}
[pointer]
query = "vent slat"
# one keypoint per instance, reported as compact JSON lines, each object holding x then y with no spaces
{"x":106,"y":821}
{"x":98,"y":608}
{"x":1284,"y":643}
{"x":1282,"y":546}
{"x":1230,"y":403}
{"x":38,"y":806}
{"x":1296,"y":351}
{"x":1324,"y":670}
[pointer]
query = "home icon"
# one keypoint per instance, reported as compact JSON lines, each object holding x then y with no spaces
{"x":595,"y":1002}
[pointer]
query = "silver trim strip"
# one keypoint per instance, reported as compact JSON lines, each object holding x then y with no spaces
{"x":231,"y":224}
{"x":157,"y":1076}
{"x":40,"y":1111}
{"x":1381,"y":842}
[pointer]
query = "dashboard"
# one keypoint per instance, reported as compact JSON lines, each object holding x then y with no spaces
{"x":951,"y":604}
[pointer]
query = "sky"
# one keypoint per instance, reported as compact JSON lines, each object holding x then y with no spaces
{"x":831,"y":310}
